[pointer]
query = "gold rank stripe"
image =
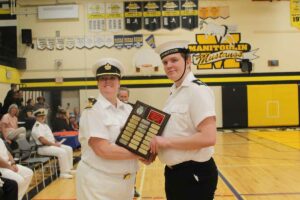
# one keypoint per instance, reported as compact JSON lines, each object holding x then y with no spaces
{"x":162,"y":81}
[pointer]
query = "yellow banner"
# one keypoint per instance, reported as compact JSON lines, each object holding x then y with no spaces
{"x":295,"y":13}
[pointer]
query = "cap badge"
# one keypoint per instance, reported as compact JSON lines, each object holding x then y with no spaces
{"x":107,"y":66}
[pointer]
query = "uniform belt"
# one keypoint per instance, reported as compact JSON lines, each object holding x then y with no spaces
{"x":190,"y":163}
{"x":124,"y":176}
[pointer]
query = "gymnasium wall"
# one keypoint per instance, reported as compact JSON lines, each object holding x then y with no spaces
{"x":264,"y":26}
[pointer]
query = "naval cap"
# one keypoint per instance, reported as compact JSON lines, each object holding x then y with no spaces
{"x":40,"y":112}
{"x":171,"y":47}
{"x":108,"y":66}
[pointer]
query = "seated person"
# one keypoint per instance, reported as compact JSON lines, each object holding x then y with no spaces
{"x":73,"y":123}
{"x":8,"y":168}
{"x":43,"y":136}
{"x":61,"y":122}
{"x":9,"y":125}
{"x":9,"y":189}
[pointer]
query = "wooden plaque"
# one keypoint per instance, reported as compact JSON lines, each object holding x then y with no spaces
{"x":143,"y":123}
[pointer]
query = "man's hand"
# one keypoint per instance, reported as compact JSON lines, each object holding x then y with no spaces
{"x":57,"y":144}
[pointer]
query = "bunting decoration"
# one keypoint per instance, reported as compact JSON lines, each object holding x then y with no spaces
{"x":150,"y":41}
{"x":89,"y":42}
{"x":69,"y":43}
{"x":50,"y":43}
{"x":128,"y":41}
{"x":41,"y":43}
{"x":138,"y":40}
{"x":119,"y":41}
{"x":99,"y":41}
{"x":59,"y":43}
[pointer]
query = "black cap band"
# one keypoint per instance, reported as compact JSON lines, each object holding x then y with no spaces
{"x":172,"y":51}
{"x":108,"y":69}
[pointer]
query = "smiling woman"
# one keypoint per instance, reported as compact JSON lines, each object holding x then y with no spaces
{"x":105,"y":165}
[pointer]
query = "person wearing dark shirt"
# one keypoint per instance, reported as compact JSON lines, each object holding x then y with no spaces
{"x":9,"y":98}
{"x":61,"y":123}
{"x":26,"y":114}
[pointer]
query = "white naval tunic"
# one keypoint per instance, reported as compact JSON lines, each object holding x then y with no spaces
{"x":22,"y":177}
{"x":99,"y":178}
{"x":64,"y":153}
{"x":188,"y":105}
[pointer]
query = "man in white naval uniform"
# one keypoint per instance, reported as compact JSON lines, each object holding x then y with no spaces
{"x":106,"y":171}
{"x":43,"y":137}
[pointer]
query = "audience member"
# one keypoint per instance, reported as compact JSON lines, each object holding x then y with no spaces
{"x":26,"y":114}
{"x":19,"y":99}
{"x":61,"y":122}
{"x":9,"y":125}
{"x":77,"y":114}
{"x":73,"y":123}
{"x":9,"y":169}
{"x":9,"y":98}
{"x":123,"y":95}
{"x":43,"y":136}
{"x":41,"y":103}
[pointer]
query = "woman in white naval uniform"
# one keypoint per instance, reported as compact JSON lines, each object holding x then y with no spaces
{"x":186,"y":146}
{"x":9,"y":169}
{"x":106,"y":171}
{"x":43,"y":137}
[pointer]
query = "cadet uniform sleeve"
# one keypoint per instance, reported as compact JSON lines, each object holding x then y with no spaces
{"x":202,"y":104}
{"x":36,"y":132}
{"x":92,"y":125}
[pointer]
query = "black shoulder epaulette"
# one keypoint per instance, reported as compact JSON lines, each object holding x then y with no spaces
{"x":91,"y":102}
{"x":198,"y":82}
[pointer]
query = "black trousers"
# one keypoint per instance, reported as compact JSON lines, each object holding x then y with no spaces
{"x":9,"y":190}
{"x":191,"y":181}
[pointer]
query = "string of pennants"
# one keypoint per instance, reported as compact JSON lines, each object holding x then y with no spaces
{"x":117,"y":41}
{"x":150,"y":15}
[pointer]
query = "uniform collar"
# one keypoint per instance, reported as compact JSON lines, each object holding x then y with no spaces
{"x":39,"y":122}
{"x":106,"y":104}
{"x":186,"y":82}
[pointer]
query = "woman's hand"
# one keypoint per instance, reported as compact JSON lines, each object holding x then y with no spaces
{"x":149,"y":161}
{"x":14,"y":167}
{"x":157,"y":143}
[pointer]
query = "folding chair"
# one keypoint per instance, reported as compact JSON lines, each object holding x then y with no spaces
{"x":28,"y":157}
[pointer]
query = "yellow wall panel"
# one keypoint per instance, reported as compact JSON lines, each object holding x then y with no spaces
{"x":273,"y":105}
{"x":9,"y":75}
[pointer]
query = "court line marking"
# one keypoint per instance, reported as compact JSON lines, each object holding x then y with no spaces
{"x":264,"y":145}
{"x":142,"y":182}
{"x":269,"y":194}
{"x":233,"y":190}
